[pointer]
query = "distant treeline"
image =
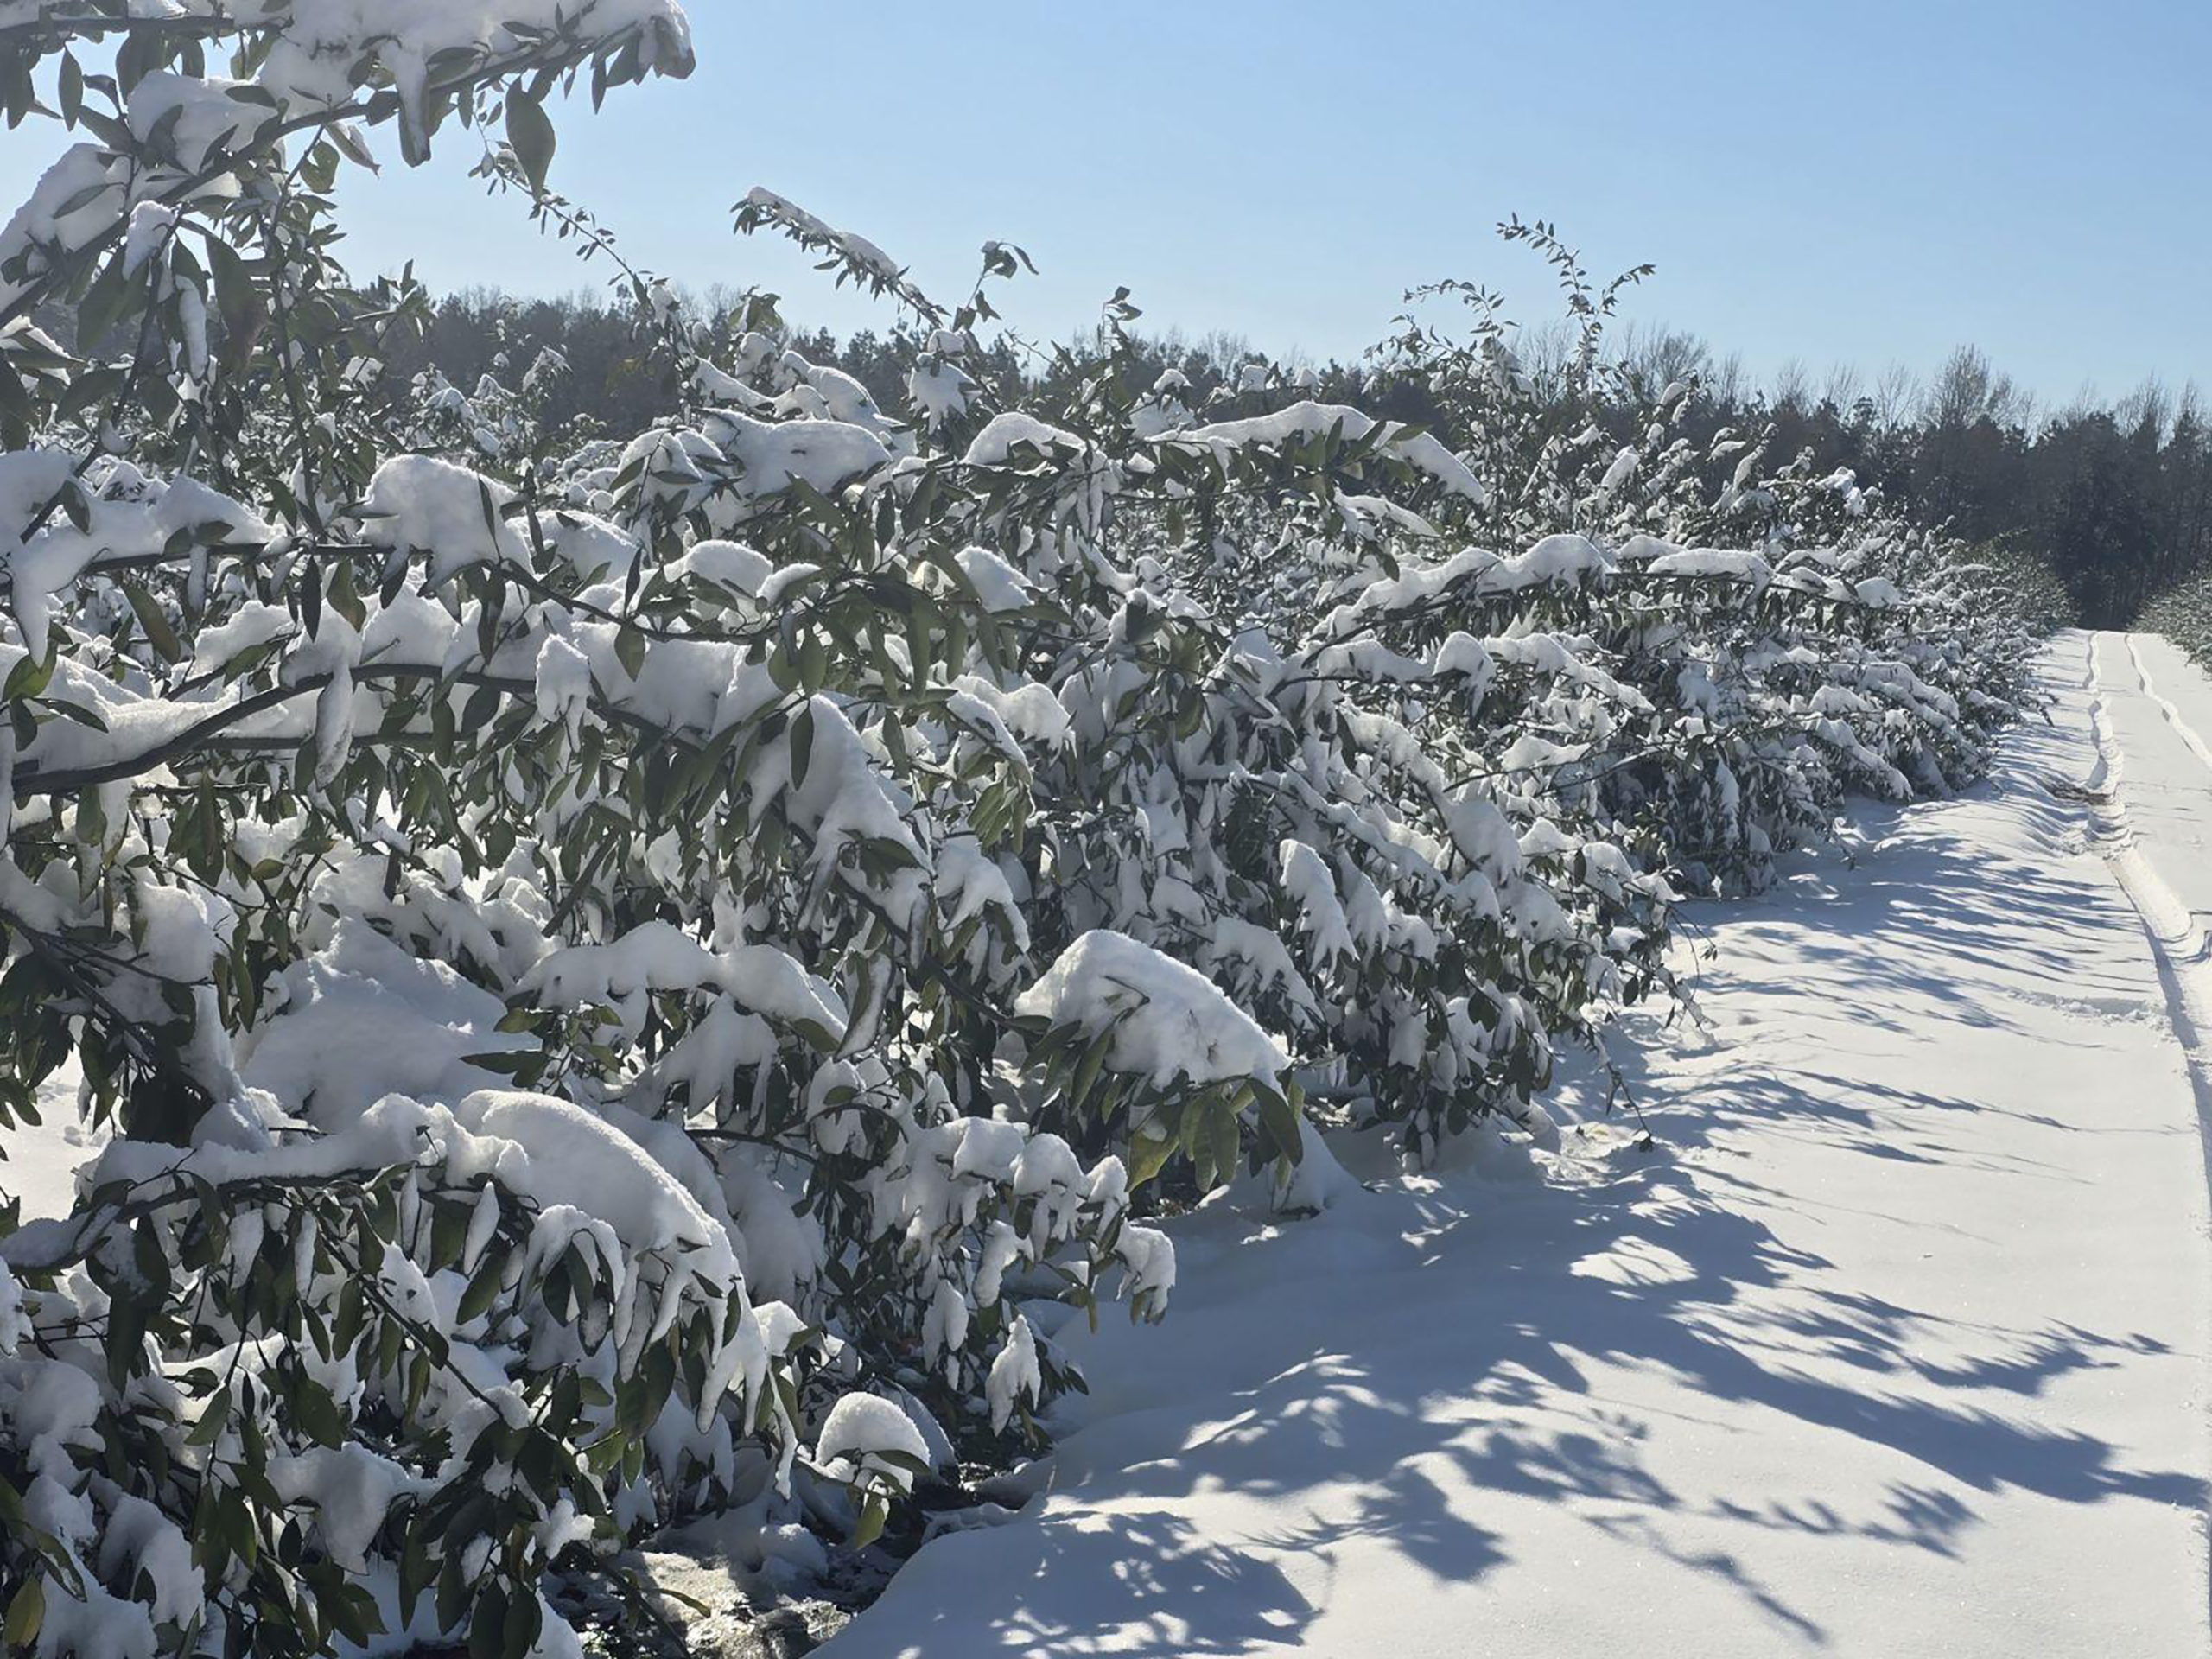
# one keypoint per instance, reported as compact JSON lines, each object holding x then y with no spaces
{"x":2116,"y":497}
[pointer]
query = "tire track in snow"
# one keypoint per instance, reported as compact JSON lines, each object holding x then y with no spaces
{"x":2179,"y":940}
{"x":2174,"y":928}
{"x":2187,"y":733}
{"x":2181,"y":945}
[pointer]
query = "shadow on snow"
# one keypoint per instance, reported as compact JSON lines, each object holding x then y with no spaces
{"x":1403,"y":1431}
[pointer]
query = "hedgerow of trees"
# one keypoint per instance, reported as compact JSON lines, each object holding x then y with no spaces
{"x":622,"y":965}
{"x":2111,"y":502}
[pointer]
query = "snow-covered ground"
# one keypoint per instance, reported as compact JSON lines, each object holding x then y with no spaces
{"x":1896,"y":1343}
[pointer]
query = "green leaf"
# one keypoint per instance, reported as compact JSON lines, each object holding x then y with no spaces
{"x":102,"y":307}
{"x":507,"y":1062}
{"x":1149,"y":1150}
{"x":29,"y":677}
{"x":1087,"y":1069}
{"x":487,"y":1624}
{"x":520,"y":1630}
{"x":873,"y":1513}
{"x":1279,"y":1119}
{"x":802,"y":745}
{"x":484,"y":1289}
{"x":630,"y":650}
{"x":782,"y":669}
{"x":1221,"y":1122}
{"x":78,"y":714}
{"x":211,"y":1419}
{"x":26,"y":1613}
{"x":159,"y":633}
{"x":530,"y":132}
{"x":350,"y":143}
{"x":237,"y":301}
{"x":344,"y":599}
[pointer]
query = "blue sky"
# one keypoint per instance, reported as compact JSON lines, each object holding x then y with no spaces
{"x":1873,"y":182}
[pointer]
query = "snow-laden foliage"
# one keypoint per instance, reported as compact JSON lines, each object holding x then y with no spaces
{"x":2184,"y":614}
{"x":620,"y":970}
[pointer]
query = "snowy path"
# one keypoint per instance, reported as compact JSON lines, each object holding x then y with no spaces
{"x":1896,"y":1346}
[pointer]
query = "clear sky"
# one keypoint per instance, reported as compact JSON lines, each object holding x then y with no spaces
{"x":1869,"y":182}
